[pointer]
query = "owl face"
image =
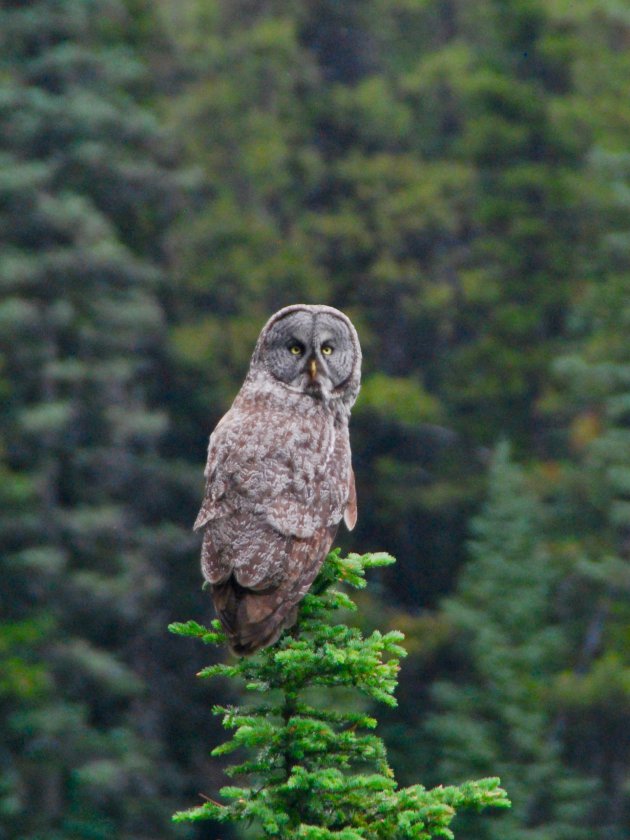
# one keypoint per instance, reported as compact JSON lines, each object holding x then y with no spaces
{"x":312,"y":349}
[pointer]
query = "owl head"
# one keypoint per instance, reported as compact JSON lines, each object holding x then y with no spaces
{"x":313,"y":350}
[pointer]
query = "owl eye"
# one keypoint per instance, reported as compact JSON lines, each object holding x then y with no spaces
{"x":296,"y":349}
{"x":327,"y":350}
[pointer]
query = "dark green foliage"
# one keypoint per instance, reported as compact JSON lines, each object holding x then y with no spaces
{"x":590,"y":407}
{"x":511,"y":648}
{"x":311,"y":771}
{"x":592,"y":507}
{"x":85,"y":198}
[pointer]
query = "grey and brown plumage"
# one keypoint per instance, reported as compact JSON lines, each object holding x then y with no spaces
{"x":279,"y":476}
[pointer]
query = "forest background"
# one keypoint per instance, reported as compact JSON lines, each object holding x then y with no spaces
{"x":453,"y":174}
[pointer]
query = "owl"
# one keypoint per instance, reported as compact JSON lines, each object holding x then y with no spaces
{"x":279,"y":476}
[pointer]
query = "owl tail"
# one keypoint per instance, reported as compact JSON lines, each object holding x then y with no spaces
{"x":252,"y":620}
{"x":255,"y":618}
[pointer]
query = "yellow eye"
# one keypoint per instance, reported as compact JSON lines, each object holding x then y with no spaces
{"x":327,"y":350}
{"x":295,"y":349}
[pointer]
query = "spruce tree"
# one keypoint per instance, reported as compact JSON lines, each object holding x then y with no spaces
{"x":592,"y":518}
{"x":307,"y":769}
{"x":85,"y":195}
{"x":498,"y":713}
{"x":590,"y":409}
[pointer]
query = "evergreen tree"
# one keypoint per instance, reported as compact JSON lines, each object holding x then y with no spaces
{"x":592,"y":507}
{"x":85,"y":195}
{"x":498,"y":713}
{"x":589,"y":408}
{"x":316,"y":771}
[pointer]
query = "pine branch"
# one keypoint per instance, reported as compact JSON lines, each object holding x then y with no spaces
{"x":321,"y":773}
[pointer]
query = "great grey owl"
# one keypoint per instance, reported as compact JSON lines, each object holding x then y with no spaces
{"x":279,"y":476}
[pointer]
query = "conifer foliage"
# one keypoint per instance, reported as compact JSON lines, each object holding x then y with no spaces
{"x":314,"y":771}
{"x":83,"y":169}
{"x":511,"y":647}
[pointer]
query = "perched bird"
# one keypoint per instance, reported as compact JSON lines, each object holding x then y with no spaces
{"x":279,"y":476}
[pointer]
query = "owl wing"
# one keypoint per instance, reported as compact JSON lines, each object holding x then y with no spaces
{"x":255,"y":618}
{"x":350,"y":512}
{"x":215,"y":502}
{"x":268,"y":480}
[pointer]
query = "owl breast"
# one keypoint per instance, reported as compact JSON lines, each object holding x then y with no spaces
{"x":295,"y":469}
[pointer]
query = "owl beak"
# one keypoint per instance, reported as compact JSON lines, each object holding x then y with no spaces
{"x":312,"y":369}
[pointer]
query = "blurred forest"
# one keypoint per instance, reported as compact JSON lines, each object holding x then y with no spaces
{"x":455,"y":176}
